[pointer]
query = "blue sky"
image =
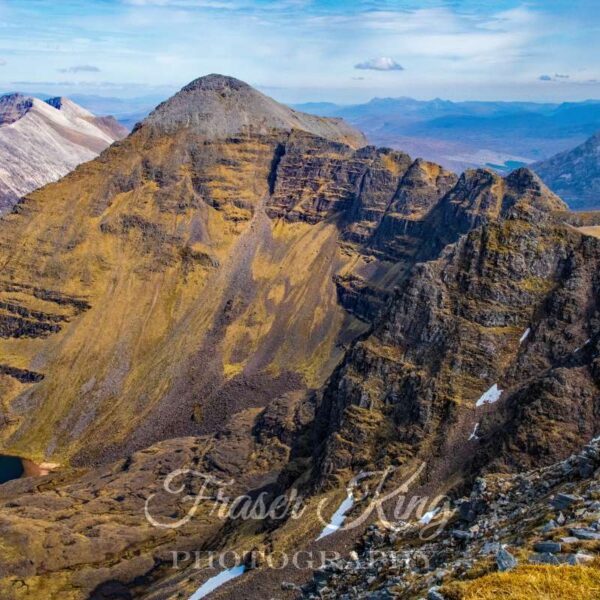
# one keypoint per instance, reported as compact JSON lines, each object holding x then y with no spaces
{"x":301,"y":50}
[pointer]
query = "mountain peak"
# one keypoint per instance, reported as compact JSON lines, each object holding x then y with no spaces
{"x":218,"y":106}
{"x":13,"y":107}
{"x":68,"y":107}
{"x":526,"y":187}
{"x":216,"y":82}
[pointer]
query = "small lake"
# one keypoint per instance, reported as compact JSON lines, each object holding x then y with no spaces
{"x":11,"y":467}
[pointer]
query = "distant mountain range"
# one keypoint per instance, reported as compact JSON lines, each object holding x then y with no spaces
{"x":575,"y":175}
{"x":42,"y":141}
{"x":460,"y":135}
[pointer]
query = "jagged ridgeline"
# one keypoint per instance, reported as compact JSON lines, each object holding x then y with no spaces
{"x":256,"y":292}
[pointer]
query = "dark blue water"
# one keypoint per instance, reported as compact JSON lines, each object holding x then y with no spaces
{"x":10,"y":468}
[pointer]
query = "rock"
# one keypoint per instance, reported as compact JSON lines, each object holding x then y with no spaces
{"x":286,"y":585}
{"x":569,"y":540}
{"x":547,"y":547}
{"x":563,"y":501}
{"x":550,"y":526}
{"x":40,"y":141}
{"x":582,"y":558}
{"x":505,"y":560}
{"x":433,"y":594}
{"x":585,"y":534}
{"x":490,"y":548}
{"x":544,"y":559}
{"x":458,"y":534}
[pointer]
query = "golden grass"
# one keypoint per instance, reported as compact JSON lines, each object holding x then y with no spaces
{"x":594,"y":231}
{"x":531,"y":582}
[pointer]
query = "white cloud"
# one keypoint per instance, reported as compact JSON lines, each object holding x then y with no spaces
{"x":383,"y":63}
{"x":2,"y":62}
{"x":80,"y":69}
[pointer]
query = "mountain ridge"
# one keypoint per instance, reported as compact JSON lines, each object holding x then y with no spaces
{"x":41,"y":141}
{"x":575,"y":174}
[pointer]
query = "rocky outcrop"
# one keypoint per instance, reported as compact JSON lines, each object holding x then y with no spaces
{"x":544,"y":517}
{"x":498,"y":308}
{"x":42,"y":141}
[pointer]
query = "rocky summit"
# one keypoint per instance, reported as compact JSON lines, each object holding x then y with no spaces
{"x":253,"y":294}
{"x":42,"y":141}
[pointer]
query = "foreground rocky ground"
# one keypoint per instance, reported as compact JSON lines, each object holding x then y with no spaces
{"x":501,"y":539}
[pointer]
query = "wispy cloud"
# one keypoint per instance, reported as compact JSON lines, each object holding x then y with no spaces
{"x":383,"y":63}
{"x":561,"y":76}
{"x":216,"y":4}
{"x":2,"y":62}
{"x":308,"y":48}
{"x":80,"y":69}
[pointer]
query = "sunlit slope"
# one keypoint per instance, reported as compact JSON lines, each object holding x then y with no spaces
{"x":160,"y":275}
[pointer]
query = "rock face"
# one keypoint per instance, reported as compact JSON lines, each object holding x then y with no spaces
{"x":512,"y":304}
{"x":42,"y":141}
{"x":575,"y":175}
{"x":249,"y":292}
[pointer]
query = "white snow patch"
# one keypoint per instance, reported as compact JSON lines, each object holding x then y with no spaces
{"x":474,"y":435}
{"x":525,"y":335}
{"x":217,"y":581}
{"x":428,"y":516}
{"x":491,"y":396}
{"x":338,"y":517}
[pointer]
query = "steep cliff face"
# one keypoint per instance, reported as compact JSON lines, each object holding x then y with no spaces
{"x":511,"y":304}
{"x":42,"y":141}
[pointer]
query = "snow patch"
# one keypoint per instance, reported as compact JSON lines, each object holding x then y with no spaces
{"x":217,"y":581}
{"x":491,"y":396}
{"x":474,"y":435}
{"x":428,"y":516}
{"x":525,"y":335}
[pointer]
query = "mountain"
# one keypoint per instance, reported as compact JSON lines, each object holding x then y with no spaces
{"x":242,"y":293}
{"x":575,"y":174}
{"x":461,"y":135}
{"x":42,"y":141}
